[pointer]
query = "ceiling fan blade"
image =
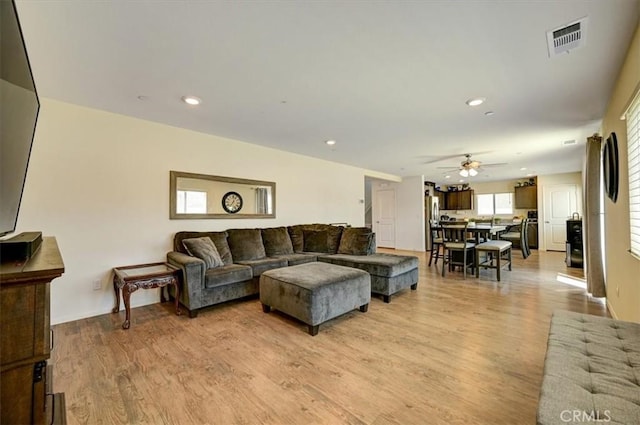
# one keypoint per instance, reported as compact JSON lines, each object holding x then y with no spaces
{"x":496,"y":164}
{"x":442,"y":158}
{"x":460,"y":155}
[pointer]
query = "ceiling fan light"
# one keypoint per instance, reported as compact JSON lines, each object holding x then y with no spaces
{"x":464,"y":173}
{"x":473,"y":172}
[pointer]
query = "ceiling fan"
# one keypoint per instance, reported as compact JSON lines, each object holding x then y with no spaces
{"x":470,"y":168}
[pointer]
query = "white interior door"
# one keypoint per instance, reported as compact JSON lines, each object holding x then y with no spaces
{"x":385,"y":218}
{"x":560,"y":202}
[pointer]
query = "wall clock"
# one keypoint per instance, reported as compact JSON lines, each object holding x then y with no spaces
{"x":232,"y":202}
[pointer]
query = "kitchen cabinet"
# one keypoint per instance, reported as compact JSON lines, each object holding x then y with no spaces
{"x":460,"y":200}
{"x":526,"y":197}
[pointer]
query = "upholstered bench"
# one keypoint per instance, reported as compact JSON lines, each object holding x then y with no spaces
{"x":390,"y":273}
{"x":315,"y":292}
{"x":497,"y":255}
{"x":591,"y":371}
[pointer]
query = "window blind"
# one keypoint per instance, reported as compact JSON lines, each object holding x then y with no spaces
{"x":633,"y":140}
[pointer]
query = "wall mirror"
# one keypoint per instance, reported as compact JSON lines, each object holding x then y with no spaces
{"x":204,"y":196}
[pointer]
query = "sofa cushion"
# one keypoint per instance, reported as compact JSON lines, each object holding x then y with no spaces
{"x":204,"y":249}
{"x":262,"y":265}
{"x":246,"y":244}
{"x":356,"y":241}
{"x":316,"y":241}
{"x":386,"y":265}
{"x":276,"y":241}
{"x":299,"y":258}
{"x":226,"y":275}
{"x":333,"y":235}
{"x":219,"y":240}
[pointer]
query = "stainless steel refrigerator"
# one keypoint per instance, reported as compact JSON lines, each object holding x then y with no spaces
{"x":431,"y":216}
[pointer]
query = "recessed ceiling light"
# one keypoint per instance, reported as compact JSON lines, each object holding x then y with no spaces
{"x":191,"y":100}
{"x":461,"y":180}
{"x":475,"y":102}
{"x":330,"y":142}
{"x":447,"y":177}
{"x":523,"y":168}
{"x":530,"y":175}
{"x":489,"y":113}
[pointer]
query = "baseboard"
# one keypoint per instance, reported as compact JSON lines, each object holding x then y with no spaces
{"x":57,"y":320}
{"x":611,"y":311}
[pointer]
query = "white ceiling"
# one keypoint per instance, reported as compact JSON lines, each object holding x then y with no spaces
{"x":387,"y":79}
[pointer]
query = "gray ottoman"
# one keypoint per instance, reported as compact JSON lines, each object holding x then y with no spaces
{"x":315,"y":292}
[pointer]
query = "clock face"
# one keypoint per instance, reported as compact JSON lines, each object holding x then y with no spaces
{"x":232,"y":202}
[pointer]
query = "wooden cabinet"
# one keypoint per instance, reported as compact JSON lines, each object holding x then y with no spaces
{"x":25,"y":338}
{"x":460,"y":200}
{"x":526,"y":197}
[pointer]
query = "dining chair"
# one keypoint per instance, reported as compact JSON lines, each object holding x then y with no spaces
{"x":456,"y":241}
{"x":519,"y":236}
{"x":437,"y":240}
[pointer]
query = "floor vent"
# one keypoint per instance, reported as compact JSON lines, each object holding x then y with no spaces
{"x":567,"y":37}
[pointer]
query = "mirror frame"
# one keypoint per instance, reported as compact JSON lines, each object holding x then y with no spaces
{"x":173,"y":214}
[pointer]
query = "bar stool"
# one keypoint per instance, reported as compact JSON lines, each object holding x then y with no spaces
{"x":497,"y":255}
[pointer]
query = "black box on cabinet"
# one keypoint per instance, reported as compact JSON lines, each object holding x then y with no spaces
{"x":20,"y":247}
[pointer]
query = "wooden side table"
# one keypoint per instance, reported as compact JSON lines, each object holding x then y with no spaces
{"x":143,"y":276}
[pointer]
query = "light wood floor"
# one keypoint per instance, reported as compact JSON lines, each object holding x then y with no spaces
{"x":453,"y":352}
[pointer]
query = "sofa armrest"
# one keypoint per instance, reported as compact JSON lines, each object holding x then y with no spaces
{"x":193,"y":270}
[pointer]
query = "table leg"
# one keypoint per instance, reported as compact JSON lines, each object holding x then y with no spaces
{"x":176,"y":284}
{"x":126,"y":296}
{"x":117,"y":292}
{"x":162,"y":299}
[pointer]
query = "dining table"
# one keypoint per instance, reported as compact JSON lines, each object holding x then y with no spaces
{"x":480,"y":230}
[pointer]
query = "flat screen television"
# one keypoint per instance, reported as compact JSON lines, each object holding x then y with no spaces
{"x":19,"y":107}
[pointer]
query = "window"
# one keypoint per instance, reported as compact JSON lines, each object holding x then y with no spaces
{"x":495,"y":203}
{"x":191,"y":202}
{"x":633,"y":141}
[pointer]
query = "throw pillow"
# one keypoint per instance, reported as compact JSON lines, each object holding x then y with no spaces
{"x":316,"y":241}
{"x":204,"y":249}
{"x":246,"y":244}
{"x":276,"y":241}
{"x":355,"y":241}
{"x":296,"y":234}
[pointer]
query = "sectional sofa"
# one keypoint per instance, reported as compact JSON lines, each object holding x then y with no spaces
{"x":242,"y":255}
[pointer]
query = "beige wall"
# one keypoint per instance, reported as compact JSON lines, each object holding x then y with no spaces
{"x":99,"y":182}
{"x":622,"y":269}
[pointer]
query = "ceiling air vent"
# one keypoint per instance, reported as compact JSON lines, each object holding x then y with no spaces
{"x":568,"y":37}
